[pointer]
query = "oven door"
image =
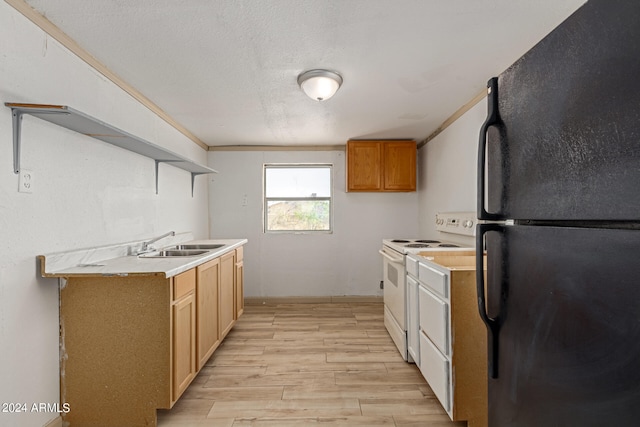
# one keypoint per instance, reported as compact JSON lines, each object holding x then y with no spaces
{"x":394,"y":284}
{"x":394,"y":298}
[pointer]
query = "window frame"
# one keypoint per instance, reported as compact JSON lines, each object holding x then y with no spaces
{"x":266,"y":200}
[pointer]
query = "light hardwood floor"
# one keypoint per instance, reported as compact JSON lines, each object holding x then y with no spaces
{"x":286,"y":365}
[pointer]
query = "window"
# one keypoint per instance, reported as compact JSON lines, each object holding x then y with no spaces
{"x":297,"y":197}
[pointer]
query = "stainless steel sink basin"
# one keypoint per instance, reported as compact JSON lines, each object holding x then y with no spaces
{"x":169,"y":253}
{"x":208,"y":246}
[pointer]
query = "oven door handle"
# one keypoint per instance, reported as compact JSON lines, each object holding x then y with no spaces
{"x":394,"y":260}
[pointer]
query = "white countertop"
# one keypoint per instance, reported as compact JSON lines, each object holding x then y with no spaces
{"x":115,"y":261}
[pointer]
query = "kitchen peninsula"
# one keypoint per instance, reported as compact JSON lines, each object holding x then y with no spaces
{"x":135,"y":329}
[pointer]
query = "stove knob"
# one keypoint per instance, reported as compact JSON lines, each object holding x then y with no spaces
{"x":468,"y":223}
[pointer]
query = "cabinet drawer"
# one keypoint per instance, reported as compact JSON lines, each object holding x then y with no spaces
{"x":435,"y":280}
{"x":434,"y":319}
{"x":435,"y":369}
{"x":239,"y":254}
{"x":184,"y":283}
{"x":412,"y":266}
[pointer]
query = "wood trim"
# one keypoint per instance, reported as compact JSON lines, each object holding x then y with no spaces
{"x":312,"y":300}
{"x":52,"y":30}
{"x":278,"y":148}
{"x":455,"y":116}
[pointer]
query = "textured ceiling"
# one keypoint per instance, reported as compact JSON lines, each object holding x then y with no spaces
{"x":226,"y":69}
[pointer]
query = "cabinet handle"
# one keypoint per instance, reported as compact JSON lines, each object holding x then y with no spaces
{"x":493,"y":324}
{"x":493,"y":118}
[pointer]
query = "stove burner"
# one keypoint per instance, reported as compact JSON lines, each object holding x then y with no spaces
{"x":447,"y":245}
{"x":417,"y":245}
{"x":428,"y":241}
{"x":400,"y":241}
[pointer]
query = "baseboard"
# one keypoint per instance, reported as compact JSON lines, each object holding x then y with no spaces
{"x":358,"y":298}
{"x":56,"y":422}
{"x":312,"y":300}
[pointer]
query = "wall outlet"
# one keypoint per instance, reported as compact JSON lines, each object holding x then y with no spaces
{"x":25,"y":181}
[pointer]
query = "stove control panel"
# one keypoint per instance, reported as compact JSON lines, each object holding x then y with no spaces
{"x":463,"y":223}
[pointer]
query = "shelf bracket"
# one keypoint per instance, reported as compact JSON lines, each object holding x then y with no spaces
{"x":17,"y":129}
{"x":16,"y":121}
{"x":164,"y":161}
{"x":193,"y":180}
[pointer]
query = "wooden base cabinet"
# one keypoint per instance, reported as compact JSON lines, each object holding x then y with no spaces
{"x":379,"y":166}
{"x":125,"y":348}
{"x":130,"y":345}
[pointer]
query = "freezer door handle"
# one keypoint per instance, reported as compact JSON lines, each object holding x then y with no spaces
{"x":493,"y":323}
{"x":493,"y":118}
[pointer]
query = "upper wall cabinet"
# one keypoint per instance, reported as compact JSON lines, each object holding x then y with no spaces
{"x":381,"y":165}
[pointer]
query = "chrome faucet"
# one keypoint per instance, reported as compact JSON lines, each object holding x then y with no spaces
{"x":145,"y":245}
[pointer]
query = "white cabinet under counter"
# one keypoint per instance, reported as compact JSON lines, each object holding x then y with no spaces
{"x":449,"y":339}
{"x":413,"y":322}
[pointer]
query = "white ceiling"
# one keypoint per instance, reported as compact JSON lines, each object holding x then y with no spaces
{"x":226,"y":69}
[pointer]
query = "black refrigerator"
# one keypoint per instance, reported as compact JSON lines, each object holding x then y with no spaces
{"x":559,"y":193}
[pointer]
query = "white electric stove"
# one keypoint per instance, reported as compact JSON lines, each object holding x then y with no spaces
{"x":393,"y":253}
{"x":414,"y":246}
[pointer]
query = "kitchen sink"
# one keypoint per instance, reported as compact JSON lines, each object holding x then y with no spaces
{"x":199,"y":246}
{"x":169,"y":253}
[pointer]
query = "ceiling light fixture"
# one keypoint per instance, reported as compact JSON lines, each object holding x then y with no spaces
{"x":320,"y":84}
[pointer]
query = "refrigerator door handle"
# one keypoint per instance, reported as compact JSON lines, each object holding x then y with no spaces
{"x":493,"y":324}
{"x":492,"y":119}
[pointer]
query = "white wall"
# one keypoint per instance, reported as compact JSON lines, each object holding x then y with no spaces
{"x":86,"y":193}
{"x":447,"y":172}
{"x":345,"y":262}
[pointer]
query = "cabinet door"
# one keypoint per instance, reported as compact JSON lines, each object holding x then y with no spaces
{"x":400,"y":166}
{"x":364,"y":166}
{"x":207,"y":288}
{"x":227,"y":306}
{"x":184,"y":344}
{"x":239,"y":282}
{"x":239,"y":289}
{"x":413,"y":321}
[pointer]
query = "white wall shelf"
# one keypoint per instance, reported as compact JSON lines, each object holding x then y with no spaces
{"x":69,"y":118}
